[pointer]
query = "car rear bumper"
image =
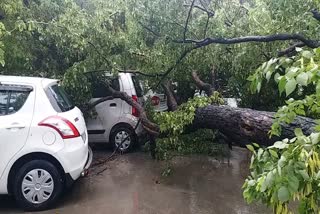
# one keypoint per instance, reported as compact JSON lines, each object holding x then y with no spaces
{"x":88,"y":163}
{"x":75,"y":157}
{"x":70,"y":180}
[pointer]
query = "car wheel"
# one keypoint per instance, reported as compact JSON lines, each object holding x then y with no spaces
{"x":37,"y":185}
{"x":121,"y":133}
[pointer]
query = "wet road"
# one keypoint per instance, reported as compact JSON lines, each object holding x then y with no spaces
{"x":132,"y":184}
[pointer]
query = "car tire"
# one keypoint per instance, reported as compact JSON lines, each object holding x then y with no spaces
{"x":37,"y":185}
{"x":119,"y":134}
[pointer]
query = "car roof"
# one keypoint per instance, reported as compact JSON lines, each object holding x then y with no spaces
{"x":28,"y":80}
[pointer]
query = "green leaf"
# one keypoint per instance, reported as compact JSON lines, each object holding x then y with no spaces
{"x":268,"y":75}
{"x":256,"y":145}
{"x":282,"y":161}
{"x":302,"y":79}
{"x":318,"y":87}
{"x":250,"y":147}
{"x":307,"y":54}
{"x":293,"y":183}
{"x":283,"y":194}
{"x":315,"y":138}
{"x":291,"y":86}
{"x":258,"y":87}
{"x":282,"y":84}
{"x":298,"y":132}
{"x":276,"y":77}
{"x":279,"y":145}
{"x":304,"y":174}
{"x":2,"y":62}
{"x":273,"y":153}
{"x":267,"y":182}
{"x":292,"y":72}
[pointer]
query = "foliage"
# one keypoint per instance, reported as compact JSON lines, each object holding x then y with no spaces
{"x":54,"y":37}
{"x":289,"y":170}
{"x":175,"y":124}
{"x":299,"y":74}
{"x":202,"y":141}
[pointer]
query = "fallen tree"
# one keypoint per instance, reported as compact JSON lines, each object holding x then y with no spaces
{"x":243,"y":126}
{"x":239,"y":125}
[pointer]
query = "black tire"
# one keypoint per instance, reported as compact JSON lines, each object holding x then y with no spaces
{"x":58,"y":183}
{"x":123,"y":129}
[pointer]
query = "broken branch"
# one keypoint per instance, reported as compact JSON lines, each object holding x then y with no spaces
{"x":202,"y":85}
{"x":316,"y":14}
{"x":269,"y":38}
{"x":187,"y":21}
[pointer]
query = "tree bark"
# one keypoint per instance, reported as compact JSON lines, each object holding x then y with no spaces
{"x":245,"y":126}
{"x":202,"y":85}
{"x":171,"y":100}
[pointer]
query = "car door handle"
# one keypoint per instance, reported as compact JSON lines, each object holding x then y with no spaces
{"x":16,"y":126}
{"x":113,"y":105}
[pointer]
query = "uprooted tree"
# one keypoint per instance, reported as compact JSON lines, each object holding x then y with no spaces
{"x":165,"y":41}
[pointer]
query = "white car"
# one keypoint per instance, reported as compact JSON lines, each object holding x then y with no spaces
{"x":43,"y":141}
{"x":115,"y":120}
{"x":232,"y":102}
{"x":158,"y":101}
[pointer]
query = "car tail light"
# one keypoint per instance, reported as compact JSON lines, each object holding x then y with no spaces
{"x":134,"y":110}
{"x":155,"y":100}
{"x":63,"y":126}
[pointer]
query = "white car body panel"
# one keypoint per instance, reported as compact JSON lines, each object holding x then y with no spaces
{"x":113,"y":112}
{"x":71,"y":153}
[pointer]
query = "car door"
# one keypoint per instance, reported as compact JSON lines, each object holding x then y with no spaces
{"x":16,"y":111}
{"x":107,"y":113}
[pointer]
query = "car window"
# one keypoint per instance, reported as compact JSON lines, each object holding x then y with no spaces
{"x":16,"y":101}
{"x":99,"y":88}
{"x":12,"y":101}
{"x":60,"y":101}
{"x":4,"y":95}
{"x":137,"y":86}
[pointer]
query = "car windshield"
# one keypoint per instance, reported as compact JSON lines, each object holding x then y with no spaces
{"x":61,"y":98}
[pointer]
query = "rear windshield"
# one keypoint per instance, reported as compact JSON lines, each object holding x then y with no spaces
{"x":59,"y":99}
{"x":137,"y":86}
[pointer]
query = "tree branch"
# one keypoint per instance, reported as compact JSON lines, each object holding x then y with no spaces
{"x":97,"y":102}
{"x":269,"y":38}
{"x":213,"y":78}
{"x":101,"y":55}
{"x":316,"y":14}
{"x":1,"y":15}
{"x":187,"y":21}
{"x":171,"y":100}
{"x":149,"y":29}
{"x":206,"y":27}
{"x":131,"y":71}
{"x":210,"y":13}
{"x":202,"y":85}
{"x":141,"y":73}
{"x":178,"y":61}
{"x":291,"y":49}
{"x":149,"y":126}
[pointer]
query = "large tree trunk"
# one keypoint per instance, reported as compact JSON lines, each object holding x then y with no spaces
{"x":245,"y":126}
